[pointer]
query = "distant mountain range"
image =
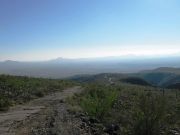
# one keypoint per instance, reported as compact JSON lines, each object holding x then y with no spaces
{"x":62,"y":68}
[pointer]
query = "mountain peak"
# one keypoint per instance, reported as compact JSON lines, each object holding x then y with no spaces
{"x":10,"y":61}
{"x":59,"y":59}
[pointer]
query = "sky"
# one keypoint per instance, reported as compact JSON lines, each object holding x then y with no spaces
{"x":46,"y":29}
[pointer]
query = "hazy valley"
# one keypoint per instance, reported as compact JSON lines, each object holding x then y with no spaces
{"x":105,"y":97}
{"x":62,"y":68}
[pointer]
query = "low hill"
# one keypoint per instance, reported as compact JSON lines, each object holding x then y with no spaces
{"x":172,"y":70}
{"x":135,"y":80}
{"x":108,"y":78}
{"x":162,"y":77}
{"x":174,"y":86}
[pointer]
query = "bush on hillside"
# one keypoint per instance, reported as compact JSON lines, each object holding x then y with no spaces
{"x":150,"y":115}
{"x":97,"y":102}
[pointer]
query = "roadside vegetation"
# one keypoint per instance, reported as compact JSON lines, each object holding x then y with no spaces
{"x":104,"y":107}
{"x":129,"y":109}
{"x":18,"y":90}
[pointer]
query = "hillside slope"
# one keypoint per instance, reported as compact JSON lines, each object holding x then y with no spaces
{"x":162,"y":77}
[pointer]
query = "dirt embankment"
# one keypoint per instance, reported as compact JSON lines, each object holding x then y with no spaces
{"x":44,"y":116}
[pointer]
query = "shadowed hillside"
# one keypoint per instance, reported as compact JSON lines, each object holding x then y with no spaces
{"x":135,"y":80}
{"x":162,"y":77}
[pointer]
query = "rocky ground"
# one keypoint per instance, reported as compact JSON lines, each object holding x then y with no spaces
{"x":44,"y":116}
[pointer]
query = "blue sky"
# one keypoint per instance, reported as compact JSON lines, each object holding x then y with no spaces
{"x":46,"y":29}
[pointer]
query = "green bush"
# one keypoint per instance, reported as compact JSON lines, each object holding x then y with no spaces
{"x":150,"y":115}
{"x":4,"y":103}
{"x":136,"y":110}
{"x":97,"y":102}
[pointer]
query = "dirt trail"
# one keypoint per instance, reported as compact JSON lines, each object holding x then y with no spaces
{"x":40,"y":116}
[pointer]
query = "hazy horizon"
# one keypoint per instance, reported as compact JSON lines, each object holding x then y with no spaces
{"x":120,"y":57}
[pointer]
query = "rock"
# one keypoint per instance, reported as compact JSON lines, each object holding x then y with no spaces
{"x":61,"y":101}
{"x":111,"y":129}
{"x":116,"y":127}
{"x":83,"y":125}
{"x":93,"y":120}
{"x":84,"y":119}
{"x":174,"y":132}
{"x":81,"y":115}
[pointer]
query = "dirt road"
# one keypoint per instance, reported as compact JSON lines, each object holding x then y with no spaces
{"x":44,"y":116}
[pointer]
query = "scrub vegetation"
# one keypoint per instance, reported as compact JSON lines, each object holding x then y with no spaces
{"x":129,"y":109}
{"x":104,"y":107}
{"x":18,"y":90}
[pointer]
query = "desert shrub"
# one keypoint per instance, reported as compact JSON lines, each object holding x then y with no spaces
{"x":149,"y":115}
{"x":97,"y":101}
{"x":135,"y":110}
{"x":4,"y":103}
{"x":39,"y":93}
